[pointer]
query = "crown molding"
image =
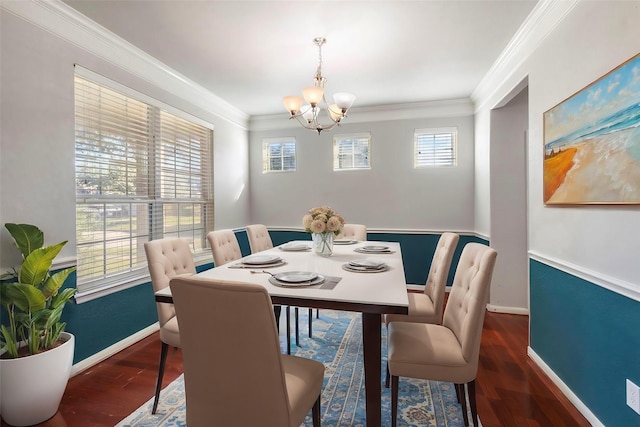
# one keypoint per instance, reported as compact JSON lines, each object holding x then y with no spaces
{"x":542,"y":20}
{"x":414,"y":110}
{"x":65,"y":22}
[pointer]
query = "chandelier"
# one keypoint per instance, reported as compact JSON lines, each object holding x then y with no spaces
{"x":317,"y":114}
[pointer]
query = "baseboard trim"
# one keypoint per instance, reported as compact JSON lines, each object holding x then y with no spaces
{"x":507,"y":310}
{"x":93,"y":360}
{"x":564,"y":389}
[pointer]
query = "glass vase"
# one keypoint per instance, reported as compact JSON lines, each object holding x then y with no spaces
{"x":323,"y":244}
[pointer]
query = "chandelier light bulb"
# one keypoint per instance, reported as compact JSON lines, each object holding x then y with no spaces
{"x":313,"y":95}
{"x":292,"y":103}
{"x":344,"y":100}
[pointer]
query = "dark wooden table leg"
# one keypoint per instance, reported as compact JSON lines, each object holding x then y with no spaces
{"x":371,"y":332}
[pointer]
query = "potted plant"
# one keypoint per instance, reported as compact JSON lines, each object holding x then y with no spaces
{"x":36,"y":354}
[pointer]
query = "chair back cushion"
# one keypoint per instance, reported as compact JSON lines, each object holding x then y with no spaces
{"x":224,"y":246}
{"x":166,"y":259}
{"x":231,"y":352}
{"x":466,"y":306}
{"x":439,"y":271}
{"x":259,"y":238}
{"x":354,"y":231}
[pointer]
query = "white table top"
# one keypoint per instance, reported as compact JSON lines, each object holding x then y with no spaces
{"x":377,"y":292}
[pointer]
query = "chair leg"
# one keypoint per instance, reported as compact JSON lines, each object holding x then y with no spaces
{"x":288,"y":314}
{"x":386,"y":378}
{"x":315,"y":413}
{"x":297,"y":326}
{"x":463,"y":402}
{"x":471,"y":390}
{"x":310,"y":320}
{"x":317,"y":313}
{"x":276,"y":313}
{"x":163,"y":359}
{"x":458,"y":393}
{"x":394,"y":400}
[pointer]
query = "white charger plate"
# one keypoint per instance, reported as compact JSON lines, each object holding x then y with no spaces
{"x":345,"y":242}
{"x":374,"y":248}
{"x":367,"y":263}
{"x":318,"y":280}
{"x":295,"y":247}
{"x":295,"y":276}
{"x":261,"y":260}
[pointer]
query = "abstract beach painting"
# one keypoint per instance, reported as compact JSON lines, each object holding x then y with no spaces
{"x":592,"y":142}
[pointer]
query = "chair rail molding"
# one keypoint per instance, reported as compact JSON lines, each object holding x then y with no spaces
{"x":613,"y":284}
{"x":65,"y":22}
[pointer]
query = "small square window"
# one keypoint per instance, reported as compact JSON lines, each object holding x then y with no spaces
{"x":278,"y":155}
{"x":351,"y":152}
{"x":435,"y":147}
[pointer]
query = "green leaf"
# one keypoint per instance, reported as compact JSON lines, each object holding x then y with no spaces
{"x":54,"y":282}
{"x":26,"y":236}
{"x":26,"y":297}
{"x":10,"y":344}
{"x":61,"y":298}
{"x":35,"y":268}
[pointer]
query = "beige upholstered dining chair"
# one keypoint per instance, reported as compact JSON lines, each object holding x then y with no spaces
{"x":224,"y":246}
{"x":260,"y":240}
{"x":447,"y":352}
{"x":427,"y":307}
{"x":249,"y":382}
{"x":167,"y":258}
{"x":354,"y":231}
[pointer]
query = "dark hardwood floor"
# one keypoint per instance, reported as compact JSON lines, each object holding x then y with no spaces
{"x":512,"y":391}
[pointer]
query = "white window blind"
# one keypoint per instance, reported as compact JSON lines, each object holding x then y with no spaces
{"x":351,"y":152}
{"x":278,"y":155}
{"x":435,"y":147}
{"x":142,"y":173}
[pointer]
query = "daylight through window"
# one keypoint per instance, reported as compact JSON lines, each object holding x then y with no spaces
{"x":142,"y":173}
{"x":435,"y":147}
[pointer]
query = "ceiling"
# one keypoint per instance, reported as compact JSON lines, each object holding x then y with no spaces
{"x":252,"y":53}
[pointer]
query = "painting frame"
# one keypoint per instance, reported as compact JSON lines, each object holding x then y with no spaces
{"x":591,"y":142}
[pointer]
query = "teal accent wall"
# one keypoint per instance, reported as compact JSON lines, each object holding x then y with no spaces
{"x":590,"y":337}
{"x":103,"y":322}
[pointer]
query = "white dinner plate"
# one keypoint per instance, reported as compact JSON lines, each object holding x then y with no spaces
{"x":295,"y":247}
{"x":367,"y":263}
{"x":356,"y":269}
{"x":261,"y":259}
{"x":344,"y":242}
{"x":374,"y":248}
{"x":318,"y":280}
{"x":295,"y":276}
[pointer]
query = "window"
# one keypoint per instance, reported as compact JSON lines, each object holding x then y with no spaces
{"x":435,"y":147}
{"x":351,"y":152}
{"x":142,"y":173}
{"x":278,"y":155}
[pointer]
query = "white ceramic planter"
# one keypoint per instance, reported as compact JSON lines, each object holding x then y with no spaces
{"x":31,"y":387}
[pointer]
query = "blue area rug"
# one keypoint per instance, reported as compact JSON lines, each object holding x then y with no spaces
{"x":336,"y":342}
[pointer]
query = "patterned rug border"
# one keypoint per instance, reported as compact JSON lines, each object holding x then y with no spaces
{"x":336,"y":342}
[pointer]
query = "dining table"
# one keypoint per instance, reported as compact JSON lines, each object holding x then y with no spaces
{"x":371,"y":292}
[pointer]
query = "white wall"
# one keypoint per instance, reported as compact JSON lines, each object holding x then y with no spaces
{"x":598,"y":242}
{"x":37,"y":182}
{"x":509,"y":286}
{"x":392,"y":195}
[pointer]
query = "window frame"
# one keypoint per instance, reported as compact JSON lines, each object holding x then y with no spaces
{"x":433,"y":132}
{"x":266,"y":157}
{"x":337,"y":138}
{"x":201,"y":203}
